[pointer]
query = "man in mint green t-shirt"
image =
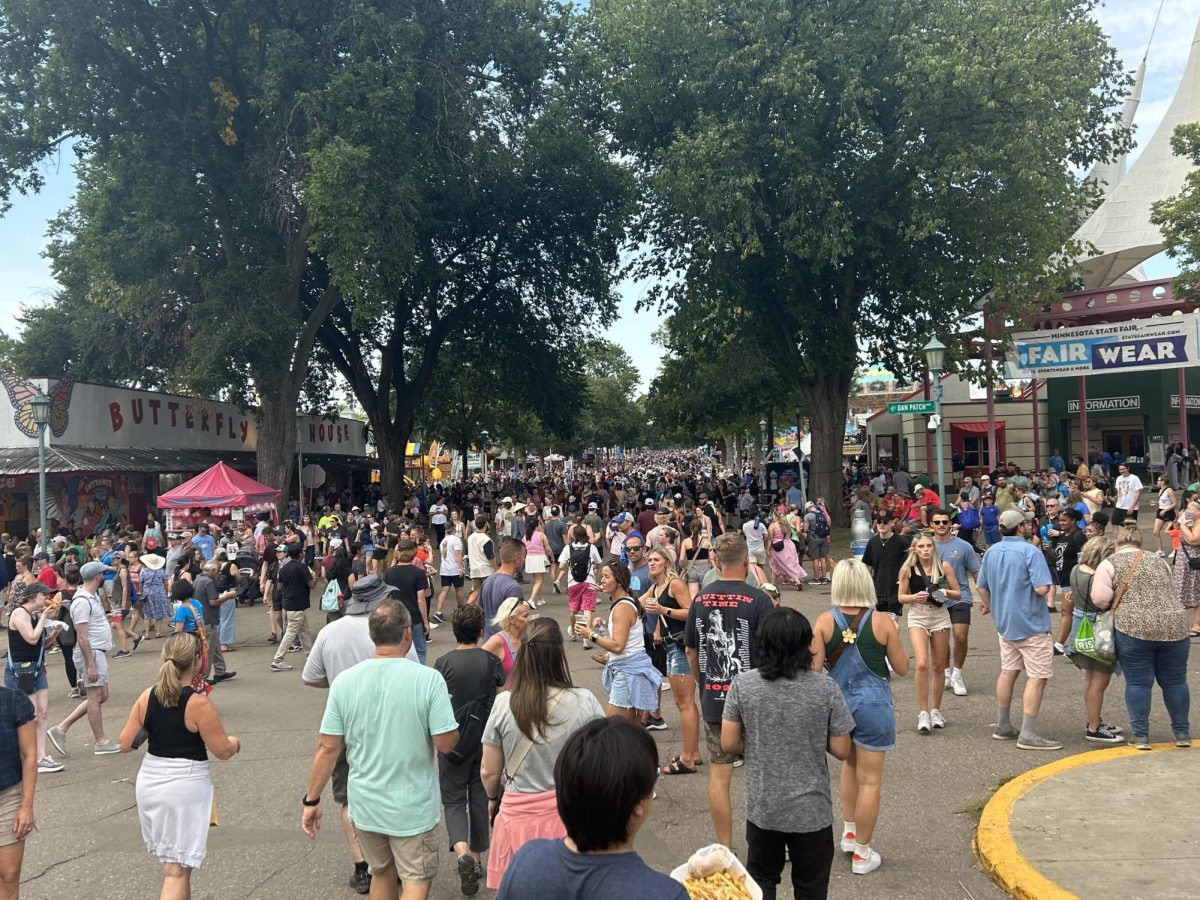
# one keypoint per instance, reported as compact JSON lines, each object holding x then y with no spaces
{"x":393,"y":715}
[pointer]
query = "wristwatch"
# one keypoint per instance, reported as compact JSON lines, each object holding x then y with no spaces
{"x":308,"y":802}
{"x":593,"y":637}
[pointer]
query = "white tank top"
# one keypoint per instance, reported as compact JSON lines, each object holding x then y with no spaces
{"x":636,"y":643}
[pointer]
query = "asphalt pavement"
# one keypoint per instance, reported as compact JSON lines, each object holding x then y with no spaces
{"x":88,"y":841}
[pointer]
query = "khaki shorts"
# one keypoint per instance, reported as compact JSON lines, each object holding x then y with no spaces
{"x":101,"y":657}
{"x":759,"y":557}
{"x":712,"y":740}
{"x":1033,"y":654}
{"x":415,"y":857}
{"x":10,"y":802}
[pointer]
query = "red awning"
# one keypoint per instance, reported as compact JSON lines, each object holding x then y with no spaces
{"x":975,"y":427}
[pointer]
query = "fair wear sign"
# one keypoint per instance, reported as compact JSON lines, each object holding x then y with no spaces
{"x":1137,"y":345}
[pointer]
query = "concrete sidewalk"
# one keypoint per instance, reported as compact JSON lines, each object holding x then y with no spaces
{"x":1111,"y":823}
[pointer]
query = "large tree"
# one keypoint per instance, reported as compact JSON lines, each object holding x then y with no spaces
{"x":518,"y":209}
{"x":856,"y":174}
{"x":1179,"y":216}
{"x":194,"y":121}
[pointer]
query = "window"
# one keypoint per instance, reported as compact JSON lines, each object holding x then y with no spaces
{"x":975,"y":452}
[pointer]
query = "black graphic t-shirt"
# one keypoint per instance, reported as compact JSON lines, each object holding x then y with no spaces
{"x":721,"y":627}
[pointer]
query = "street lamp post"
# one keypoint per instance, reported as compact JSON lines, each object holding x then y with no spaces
{"x":935,"y":360}
{"x":41,"y":415}
{"x":800,"y":459}
{"x":762,"y":463}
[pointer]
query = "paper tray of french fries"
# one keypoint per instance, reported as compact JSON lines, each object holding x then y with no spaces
{"x":714,"y":873}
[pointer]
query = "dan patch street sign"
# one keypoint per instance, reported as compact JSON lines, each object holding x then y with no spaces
{"x":925,"y":407}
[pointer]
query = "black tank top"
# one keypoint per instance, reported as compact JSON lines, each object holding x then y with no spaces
{"x":169,"y":735}
{"x":19,"y":649}
{"x":664,"y":598}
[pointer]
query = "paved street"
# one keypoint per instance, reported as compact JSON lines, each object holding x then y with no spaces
{"x":89,"y":844}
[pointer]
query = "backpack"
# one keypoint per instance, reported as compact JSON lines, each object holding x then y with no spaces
{"x":66,"y":638}
{"x":968,"y":518}
{"x":581,"y":563}
{"x":820,"y":523}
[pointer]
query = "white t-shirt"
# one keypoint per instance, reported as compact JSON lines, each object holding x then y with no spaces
{"x":1128,"y":487}
{"x":564,"y":559}
{"x":437,"y":513}
{"x":343,"y":643}
{"x":451,"y":550}
{"x":755,"y":531}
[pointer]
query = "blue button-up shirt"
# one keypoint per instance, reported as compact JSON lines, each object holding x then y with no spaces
{"x":1011,"y":571}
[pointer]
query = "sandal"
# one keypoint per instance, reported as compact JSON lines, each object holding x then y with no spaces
{"x":1195,"y":632}
{"x":678,"y":767}
{"x":227,"y":649}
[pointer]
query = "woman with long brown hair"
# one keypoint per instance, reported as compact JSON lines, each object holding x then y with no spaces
{"x":527,"y":728}
{"x":174,"y":789}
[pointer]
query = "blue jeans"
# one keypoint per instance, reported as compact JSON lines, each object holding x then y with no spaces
{"x":418,"y":633}
{"x":1143,"y":663}
{"x":228,"y":627}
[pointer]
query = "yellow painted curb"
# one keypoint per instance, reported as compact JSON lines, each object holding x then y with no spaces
{"x":998,"y":852}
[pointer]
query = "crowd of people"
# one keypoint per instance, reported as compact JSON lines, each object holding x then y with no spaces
{"x":672,"y":575}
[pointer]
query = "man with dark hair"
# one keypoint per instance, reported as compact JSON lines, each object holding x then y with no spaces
{"x":392,"y":716}
{"x":502,"y":583}
{"x":295,"y":584}
{"x":412,"y":588}
{"x":884,"y":554}
{"x":604,"y":780}
{"x":719,"y":637}
{"x":481,"y":556}
{"x":472,"y":676}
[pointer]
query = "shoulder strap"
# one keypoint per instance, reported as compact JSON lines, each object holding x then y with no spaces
{"x":854,"y":625}
{"x":1125,"y":581}
{"x":526,"y":744}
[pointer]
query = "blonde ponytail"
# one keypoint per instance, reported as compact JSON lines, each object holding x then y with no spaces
{"x":179,"y":655}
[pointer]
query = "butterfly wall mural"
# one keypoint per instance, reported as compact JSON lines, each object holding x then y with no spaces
{"x":21,"y":392}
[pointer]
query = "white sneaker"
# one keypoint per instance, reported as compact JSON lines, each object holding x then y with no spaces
{"x":936,"y":719}
{"x":865,"y":865}
{"x":1161,"y":553}
{"x":923,"y":722}
{"x":956,"y":685}
{"x":948,"y":677}
{"x":848,"y":842}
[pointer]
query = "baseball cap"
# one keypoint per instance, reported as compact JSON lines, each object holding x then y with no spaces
{"x":593,"y":506}
{"x":649,"y":501}
{"x":885,"y":516}
{"x":1011,"y":518}
{"x":622,"y":517}
{"x":91,"y":569}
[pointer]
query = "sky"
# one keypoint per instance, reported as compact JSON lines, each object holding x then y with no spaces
{"x":27,"y":279}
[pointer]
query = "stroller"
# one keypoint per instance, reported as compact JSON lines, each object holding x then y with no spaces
{"x":247,"y":587}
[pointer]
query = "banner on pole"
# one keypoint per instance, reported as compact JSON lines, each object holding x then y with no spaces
{"x":1137,"y":345}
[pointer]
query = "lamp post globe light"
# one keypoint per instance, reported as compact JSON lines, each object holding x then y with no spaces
{"x":935,"y":361}
{"x":41,"y":415}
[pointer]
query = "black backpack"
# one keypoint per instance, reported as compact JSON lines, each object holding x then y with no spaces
{"x":820,"y":523}
{"x":581,"y":562}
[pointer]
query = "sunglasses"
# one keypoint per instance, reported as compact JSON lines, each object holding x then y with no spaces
{"x":941,"y":521}
{"x":634,"y":547}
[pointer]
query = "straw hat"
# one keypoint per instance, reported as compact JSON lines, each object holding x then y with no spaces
{"x":152,"y":560}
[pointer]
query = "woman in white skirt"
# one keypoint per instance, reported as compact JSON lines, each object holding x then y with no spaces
{"x":174,"y":791}
{"x":537,"y":548}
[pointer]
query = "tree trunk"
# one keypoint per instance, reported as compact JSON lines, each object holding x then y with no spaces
{"x":276,"y":452}
{"x":827,"y":402}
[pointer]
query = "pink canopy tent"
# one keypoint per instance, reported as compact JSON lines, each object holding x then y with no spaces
{"x":220,"y":490}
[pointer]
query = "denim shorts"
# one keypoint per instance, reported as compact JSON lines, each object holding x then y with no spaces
{"x":10,"y":680}
{"x":677,"y":661}
{"x":619,"y":695}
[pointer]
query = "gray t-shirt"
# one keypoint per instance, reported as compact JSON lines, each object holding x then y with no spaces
{"x":576,"y":707}
{"x":556,"y":534}
{"x":205,"y":591}
{"x":88,"y":612}
{"x":963,"y":559}
{"x":788,"y":723}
